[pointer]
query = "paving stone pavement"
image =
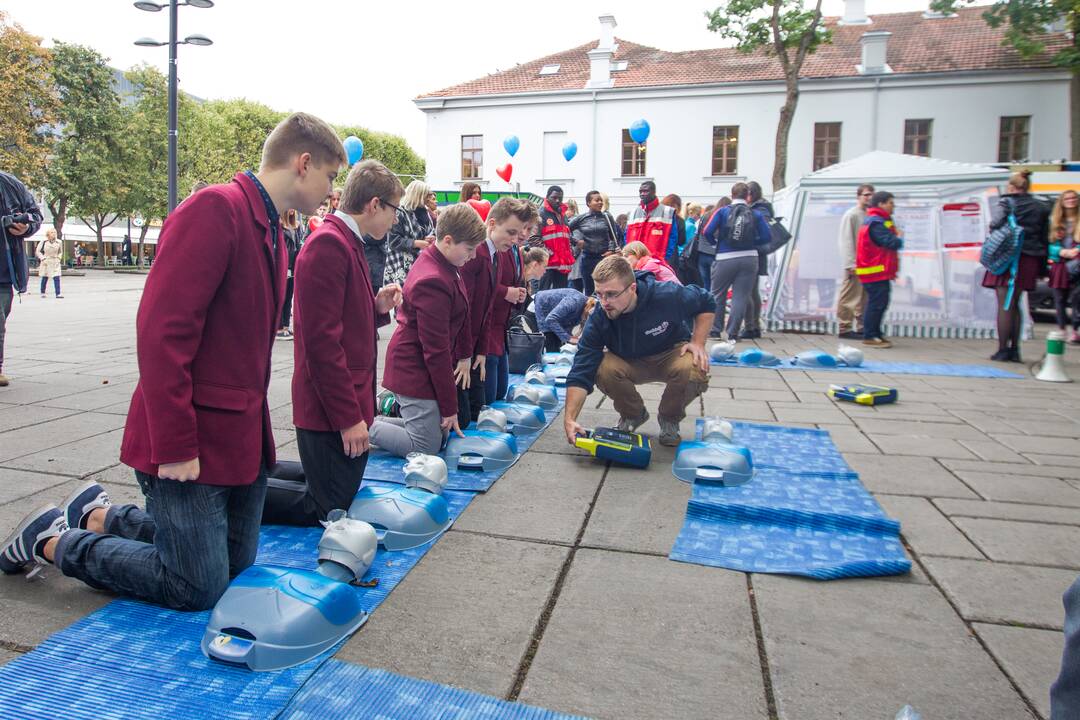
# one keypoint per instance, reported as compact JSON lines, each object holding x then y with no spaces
{"x":555,"y":588}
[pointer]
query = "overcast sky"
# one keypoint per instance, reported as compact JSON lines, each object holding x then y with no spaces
{"x":362,"y":62}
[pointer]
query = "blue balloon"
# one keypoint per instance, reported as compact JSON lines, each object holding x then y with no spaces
{"x":354,"y":149}
{"x":569,"y":150}
{"x":511,"y":144}
{"x":639,"y":131}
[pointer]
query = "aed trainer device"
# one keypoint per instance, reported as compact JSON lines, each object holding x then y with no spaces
{"x":624,"y":448}
{"x":863,"y":394}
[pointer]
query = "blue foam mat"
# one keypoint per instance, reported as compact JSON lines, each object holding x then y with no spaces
{"x":894,"y":368}
{"x":380,"y":694}
{"x":804,"y":513}
{"x":130,"y":659}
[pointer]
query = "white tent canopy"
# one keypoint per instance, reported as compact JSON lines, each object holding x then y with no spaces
{"x":942,"y":207}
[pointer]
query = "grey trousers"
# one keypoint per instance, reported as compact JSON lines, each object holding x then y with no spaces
{"x":5,"y":310}
{"x":738,"y":274}
{"x":417,"y":430}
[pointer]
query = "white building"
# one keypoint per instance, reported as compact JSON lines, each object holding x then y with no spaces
{"x":912,"y":82}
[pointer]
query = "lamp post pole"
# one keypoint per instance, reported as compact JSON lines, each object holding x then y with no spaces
{"x":173,"y":7}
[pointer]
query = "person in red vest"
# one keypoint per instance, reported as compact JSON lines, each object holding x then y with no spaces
{"x":653,"y":224}
{"x":333,"y":382}
{"x":876,"y":261}
{"x":198,"y":431}
{"x":555,"y":236}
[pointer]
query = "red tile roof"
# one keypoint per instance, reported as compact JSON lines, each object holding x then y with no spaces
{"x":917,"y":45}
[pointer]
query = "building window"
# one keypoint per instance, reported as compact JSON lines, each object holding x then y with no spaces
{"x":1013,"y":139}
{"x":472,"y":156}
{"x":633,"y":156}
{"x":917,"y":137}
{"x":725,"y":150}
{"x":826,"y":144}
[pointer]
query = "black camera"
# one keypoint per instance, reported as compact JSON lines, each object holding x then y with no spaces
{"x":20,"y":218}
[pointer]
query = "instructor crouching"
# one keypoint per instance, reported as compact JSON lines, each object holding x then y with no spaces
{"x":645,"y":329}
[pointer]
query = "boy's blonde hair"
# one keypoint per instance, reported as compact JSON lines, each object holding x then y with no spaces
{"x":369,"y":179}
{"x":613,"y":267}
{"x":462,"y":224}
{"x":535,"y":255}
{"x":302,"y":133}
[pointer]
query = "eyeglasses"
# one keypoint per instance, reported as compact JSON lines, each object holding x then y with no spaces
{"x":390,"y":205}
{"x":611,"y":295}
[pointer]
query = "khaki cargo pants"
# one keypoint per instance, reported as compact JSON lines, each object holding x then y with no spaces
{"x":618,"y":379}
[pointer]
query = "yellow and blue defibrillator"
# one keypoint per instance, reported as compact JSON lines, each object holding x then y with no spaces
{"x":625,"y":448}
{"x":863,"y":394}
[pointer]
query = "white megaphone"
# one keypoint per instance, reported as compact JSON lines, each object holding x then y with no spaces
{"x":1052,"y":367}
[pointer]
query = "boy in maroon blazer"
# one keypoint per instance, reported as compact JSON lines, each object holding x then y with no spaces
{"x":420,"y":360}
{"x":198,"y":431}
{"x":337,"y":313}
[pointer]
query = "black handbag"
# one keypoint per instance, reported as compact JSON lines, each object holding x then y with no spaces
{"x":523,"y":349}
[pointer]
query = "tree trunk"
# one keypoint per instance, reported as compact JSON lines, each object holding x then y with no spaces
{"x":59,"y":213}
{"x":783,"y":130}
{"x":142,"y":239}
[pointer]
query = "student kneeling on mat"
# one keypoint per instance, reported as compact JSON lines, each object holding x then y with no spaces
{"x":420,"y":359}
{"x":333,"y":385}
{"x":644,"y":329}
{"x":198,"y":432}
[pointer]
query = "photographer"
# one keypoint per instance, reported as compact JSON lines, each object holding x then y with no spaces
{"x":19,"y":219}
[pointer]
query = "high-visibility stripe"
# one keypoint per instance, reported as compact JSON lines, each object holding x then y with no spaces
{"x":556,"y":234}
{"x":870,"y":270}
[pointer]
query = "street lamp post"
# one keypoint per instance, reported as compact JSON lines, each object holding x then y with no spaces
{"x":202,"y":40}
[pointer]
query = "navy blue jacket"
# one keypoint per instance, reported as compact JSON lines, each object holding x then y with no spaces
{"x":559,"y":311}
{"x":15,"y":198}
{"x":714,"y":231}
{"x":662,"y":319}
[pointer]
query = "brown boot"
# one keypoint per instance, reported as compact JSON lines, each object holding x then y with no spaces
{"x":4,"y":382}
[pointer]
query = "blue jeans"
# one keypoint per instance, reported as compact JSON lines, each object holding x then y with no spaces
{"x":704,"y":263}
{"x":181,"y":552}
{"x":55,"y":282}
{"x":877,"y":302}
{"x":498,"y":378}
{"x":1065,"y":693}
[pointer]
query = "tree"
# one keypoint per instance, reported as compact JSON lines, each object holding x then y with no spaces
{"x":87,"y":175}
{"x":391,"y":150}
{"x":27,"y":104}
{"x":1026,"y":24}
{"x":783,"y":28}
{"x":225,"y":136}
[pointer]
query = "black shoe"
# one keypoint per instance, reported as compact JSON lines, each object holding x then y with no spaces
{"x":851,"y":335}
{"x":750,"y":335}
{"x":1014,"y":355}
{"x":1001,"y":355}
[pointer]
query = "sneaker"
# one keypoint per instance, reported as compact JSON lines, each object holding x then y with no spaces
{"x":750,"y":335}
{"x":629,"y":425}
{"x":42,"y":296}
{"x":669,"y":433}
{"x":82,"y":501}
{"x":877,"y":342}
{"x":4,"y":382}
{"x":1014,"y":355}
{"x":1074,"y":338}
{"x":850,"y":335}
{"x":59,"y":297}
{"x":1001,"y":355}
{"x":27,"y":543}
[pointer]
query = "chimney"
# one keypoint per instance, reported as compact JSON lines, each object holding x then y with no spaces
{"x":600,"y":57}
{"x":875,"y":48}
{"x":855,"y":13}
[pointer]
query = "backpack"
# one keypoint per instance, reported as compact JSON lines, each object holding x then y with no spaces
{"x":1002,"y":246}
{"x":739,"y":231}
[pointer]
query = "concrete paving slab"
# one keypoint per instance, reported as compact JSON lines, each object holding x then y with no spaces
{"x":792,"y":413}
{"x":13,"y":417}
{"x":1043,"y":444}
{"x":17,"y":484}
{"x":1032,"y":658}
{"x":7,"y":656}
{"x":638,"y":511}
{"x":926,"y":529}
{"x":749,"y":410}
{"x":28,"y":440}
{"x":118,"y":474}
{"x":849,"y":439}
{"x":542,"y":497}
{"x":25,"y":392}
{"x":982,"y":421}
{"x":1021,"y":488}
{"x":678,"y":643}
{"x":1004,"y":594}
{"x":105,"y":394}
{"x":857,"y":649}
{"x":906,"y":475}
{"x":878,"y":426}
{"x":1068,"y":472}
{"x":762,"y":395}
{"x":922,"y":446}
{"x":77,"y":459}
{"x":1024,"y":542}
{"x":464,"y":616}
{"x":1009,"y":511}
{"x":1043,"y":459}
{"x":993,"y":451}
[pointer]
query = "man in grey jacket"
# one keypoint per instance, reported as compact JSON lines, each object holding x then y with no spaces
{"x":852,"y":301}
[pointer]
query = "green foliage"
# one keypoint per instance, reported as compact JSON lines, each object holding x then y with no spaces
{"x":225,"y":136}
{"x":1025,"y":24}
{"x":750,"y":24}
{"x":27,"y":104}
{"x":391,"y":150}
